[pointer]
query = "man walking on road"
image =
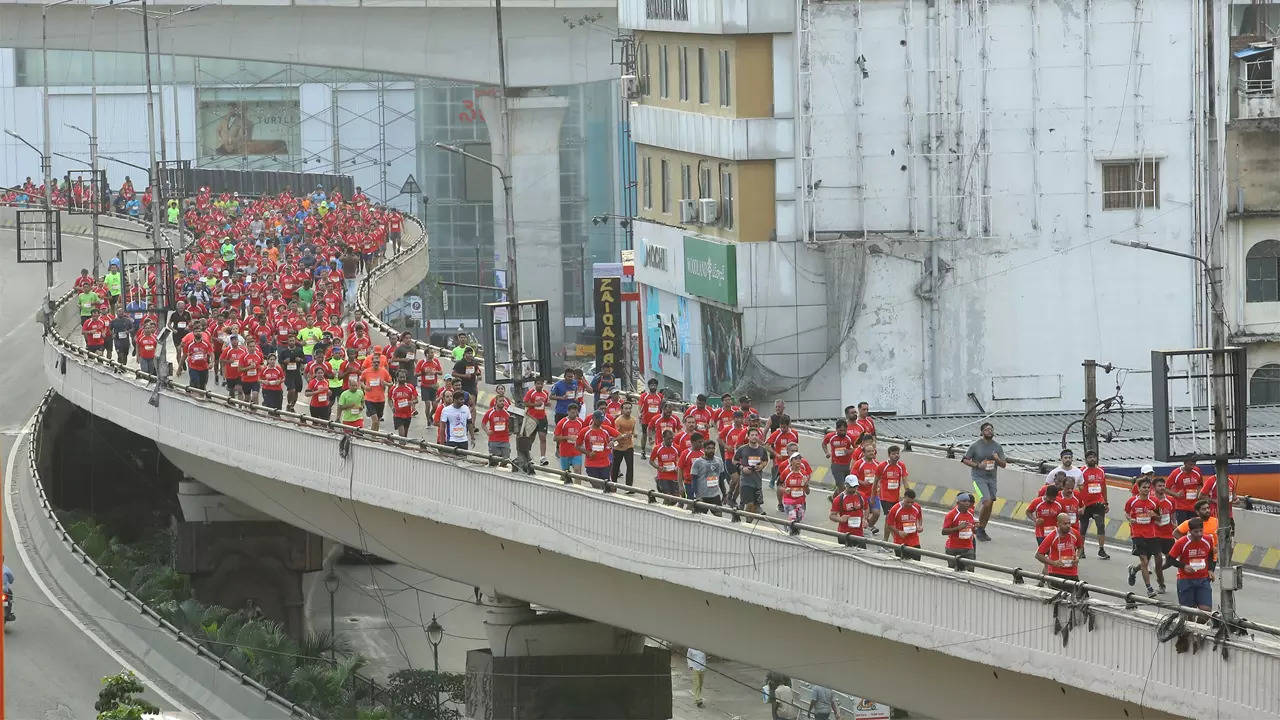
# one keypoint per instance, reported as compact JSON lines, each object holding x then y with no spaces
{"x":983,"y":459}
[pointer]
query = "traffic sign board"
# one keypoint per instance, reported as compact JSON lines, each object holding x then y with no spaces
{"x":410,"y":186}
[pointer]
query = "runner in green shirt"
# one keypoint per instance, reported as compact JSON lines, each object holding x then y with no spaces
{"x":310,"y":335}
{"x":88,"y":301}
{"x":306,"y":295}
{"x":112,"y":281}
{"x":351,"y":404}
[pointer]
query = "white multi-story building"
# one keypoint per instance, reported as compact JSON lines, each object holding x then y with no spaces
{"x":921,"y":194}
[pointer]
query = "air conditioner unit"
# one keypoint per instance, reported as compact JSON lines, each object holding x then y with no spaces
{"x":631,"y":87}
{"x":688,"y":210}
{"x":707,"y":209}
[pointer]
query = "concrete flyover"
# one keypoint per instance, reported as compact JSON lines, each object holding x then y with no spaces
{"x":917,"y":637}
{"x":448,"y":39}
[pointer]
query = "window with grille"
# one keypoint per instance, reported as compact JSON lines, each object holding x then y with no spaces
{"x":704,"y":81}
{"x":1130,"y":184}
{"x":1264,"y":386}
{"x":726,"y":198}
{"x":643,"y":61}
{"x":1262,"y":272}
{"x":663,"y":90}
{"x":725,"y":95}
{"x":682,"y":68}
{"x":666,"y":186}
{"x":647,"y":183}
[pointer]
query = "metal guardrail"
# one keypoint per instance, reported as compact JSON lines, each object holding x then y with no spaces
{"x":1019,"y":576}
{"x":200,"y":649}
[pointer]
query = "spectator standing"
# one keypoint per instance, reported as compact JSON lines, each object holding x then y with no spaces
{"x":984,"y":457}
{"x":822,"y":704}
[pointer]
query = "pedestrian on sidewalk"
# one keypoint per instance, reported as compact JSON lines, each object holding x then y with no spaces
{"x":698,"y":666}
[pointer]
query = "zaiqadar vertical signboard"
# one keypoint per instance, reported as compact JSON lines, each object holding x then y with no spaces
{"x":711,"y":269}
{"x":608,"y":319}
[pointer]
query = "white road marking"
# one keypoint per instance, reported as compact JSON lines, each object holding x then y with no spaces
{"x":12,"y":519}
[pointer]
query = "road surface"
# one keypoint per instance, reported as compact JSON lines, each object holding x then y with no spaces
{"x":53,"y":669}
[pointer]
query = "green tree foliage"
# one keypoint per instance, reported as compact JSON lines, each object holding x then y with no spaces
{"x":117,"y":700}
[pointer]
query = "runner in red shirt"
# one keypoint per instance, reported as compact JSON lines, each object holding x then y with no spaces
{"x":404,"y":401}
{"x":794,"y":483}
{"x":692,"y":451}
{"x":497,"y":426}
{"x":1044,"y":511}
{"x":231,"y":358}
{"x":535,"y":405}
{"x":867,"y":470}
{"x":1093,"y":501}
{"x":596,"y":442}
{"x":1164,"y":527}
{"x":428,"y":370}
{"x":838,"y":447}
{"x":958,"y":526}
{"x":146,"y":345}
{"x":318,"y":395}
{"x":197,"y":353}
{"x":650,"y":407}
{"x":665,"y":421}
{"x":848,"y":507}
{"x":566,"y":436}
{"x":1184,"y":485}
{"x":272,"y":378}
{"x":250,"y":371}
{"x":1193,"y":555}
{"x":702,"y":416}
{"x":904,"y":521}
{"x":1210,"y":490}
{"x":665,"y":458}
{"x":893,"y":475}
{"x":1061,"y":550}
{"x":1143,"y":514}
{"x":95,"y":332}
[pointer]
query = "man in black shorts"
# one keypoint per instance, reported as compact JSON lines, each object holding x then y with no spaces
{"x":293,"y":362}
{"x":180,"y":324}
{"x":467,"y":372}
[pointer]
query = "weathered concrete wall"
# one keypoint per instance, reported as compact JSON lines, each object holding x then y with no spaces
{"x":1253,"y":164}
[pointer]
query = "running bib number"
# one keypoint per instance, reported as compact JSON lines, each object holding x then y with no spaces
{"x":499,"y":426}
{"x":235,"y":364}
{"x":597,"y":447}
{"x":854,"y":522}
{"x":1068,"y":561}
{"x":291,"y":366}
{"x":965,"y":534}
{"x":182,"y":326}
{"x":753,"y":461}
{"x":374,"y":382}
{"x":402,"y":403}
{"x":908,"y":528}
{"x":1093,"y":488}
{"x":1071,"y":517}
{"x":458,"y":433}
{"x":1191,"y":494}
{"x":669,"y":467}
{"x":122,"y":335}
{"x":1165,"y":519}
{"x":197,"y":356}
{"x":1142,"y":519}
{"x":988,"y":464}
{"x":797,"y":493}
{"x":892,"y":485}
{"x":1197,"y":565}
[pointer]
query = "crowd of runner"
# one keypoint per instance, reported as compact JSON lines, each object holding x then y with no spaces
{"x":265,"y":311}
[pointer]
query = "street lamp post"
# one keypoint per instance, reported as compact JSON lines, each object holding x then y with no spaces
{"x":151,"y":130}
{"x":435,"y":634}
{"x":93,"y":169}
{"x":331,"y":583}
{"x":514,"y":330}
{"x":45,"y":163}
{"x":1218,"y":391}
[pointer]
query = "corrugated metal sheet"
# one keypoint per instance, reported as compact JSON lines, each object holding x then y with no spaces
{"x":983,"y":619}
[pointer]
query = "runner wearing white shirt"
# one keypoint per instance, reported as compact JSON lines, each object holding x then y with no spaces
{"x":1067,"y":466}
{"x":456,"y":419}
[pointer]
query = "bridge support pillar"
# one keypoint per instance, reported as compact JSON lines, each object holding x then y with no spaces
{"x":536,"y":116}
{"x":555,"y":665}
{"x":240,"y":558}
